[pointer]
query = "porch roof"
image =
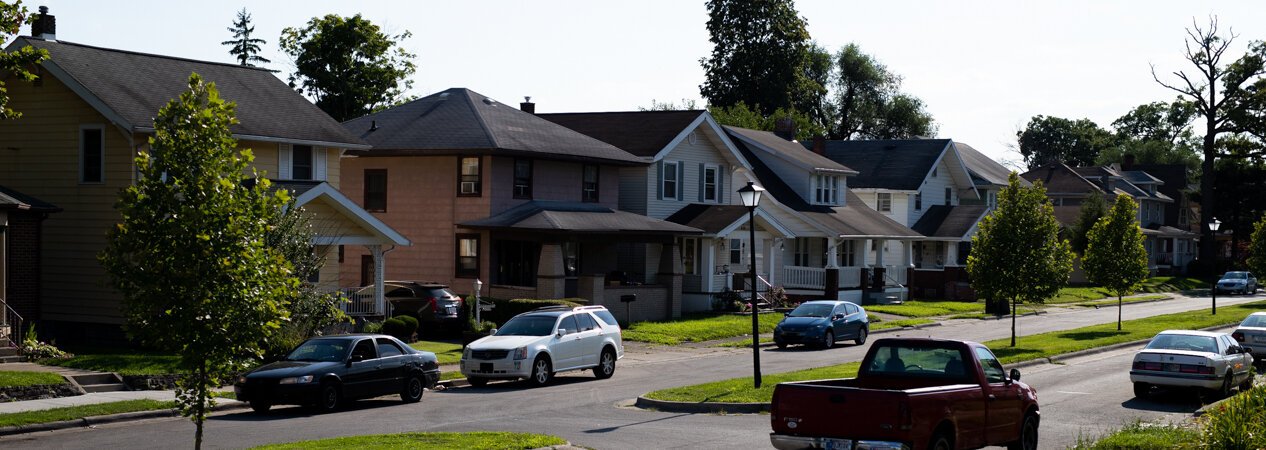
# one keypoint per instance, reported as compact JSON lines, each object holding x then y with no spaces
{"x":856,"y":220}
{"x":352,"y":224}
{"x":11,"y":199}
{"x":1168,"y":231}
{"x":574,"y":217}
{"x":941,"y":221}
{"x":721,"y":220}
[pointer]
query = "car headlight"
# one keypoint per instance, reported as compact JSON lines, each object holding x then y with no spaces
{"x":241,"y":379}
{"x":520,"y":353}
{"x":466,"y":353}
{"x":296,"y":380}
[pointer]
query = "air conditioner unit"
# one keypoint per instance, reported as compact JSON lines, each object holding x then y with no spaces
{"x":468,"y":187}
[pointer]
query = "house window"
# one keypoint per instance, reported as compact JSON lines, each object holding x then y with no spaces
{"x":340,"y":254}
{"x":709,"y":184}
{"x":802,"y":252}
{"x":883,"y":202}
{"x":670,"y":180}
{"x":467,"y":256}
{"x":376,"y":190}
{"x":301,"y":162}
{"x":736,"y":251}
{"x":690,"y":256}
{"x":514,"y":262}
{"x":918,"y":201}
{"x":522,"y":178}
{"x":991,"y":198}
{"x":469,"y":174}
{"x":589,"y":184}
{"x":949,"y":196}
{"x":92,"y":154}
{"x":848,"y":254}
{"x":826,"y":189}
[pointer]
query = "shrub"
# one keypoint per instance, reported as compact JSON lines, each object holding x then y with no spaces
{"x":1238,"y":423}
{"x":395,"y":327}
{"x":410,"y":325}
{"x":505,"y":309}
{"x":371,"y":326}
{"x":35,"y":349}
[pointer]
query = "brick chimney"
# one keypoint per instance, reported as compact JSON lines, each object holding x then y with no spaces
{"x":785,"y":128}
{"x":819,"y":145}
{"x":527,"y":106}
{"x":45,"y":26}
{"x":1127,"y":162}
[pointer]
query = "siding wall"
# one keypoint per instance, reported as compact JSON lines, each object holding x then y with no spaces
{"x":933,"y":190}
{"x":690,"y":153}
{"x":900,"y":206}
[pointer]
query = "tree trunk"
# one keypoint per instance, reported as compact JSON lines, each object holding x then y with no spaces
{"x":1207,"y":200}
{"x":198,"y":409}
{"x":1119,"y":302}
{"x":1014,"y":305}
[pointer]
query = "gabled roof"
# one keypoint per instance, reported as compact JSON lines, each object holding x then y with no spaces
{"x":1058,"y":178}
{"x":941,"y":221}
{"x":1140,"y":177}
{"x":898,"y":164}
{"x":790,"y":151}
{"x":709,"y":218}
{"x":984,"y":170}
{"x":379,"y":233}
{"x":642,"y":133}
{"x":461,"y":121}
{"x":130,"y":87}
{"x":575,"y":217}
{"x":11,"y":199}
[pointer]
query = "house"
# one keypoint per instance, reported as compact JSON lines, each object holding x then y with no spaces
{"x":88,"y":116}
{"x":21,"y":217}
{"x":495,"y":194}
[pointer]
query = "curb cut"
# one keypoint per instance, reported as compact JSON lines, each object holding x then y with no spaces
{"x":701,"y":407}
{"x":111,"y":418}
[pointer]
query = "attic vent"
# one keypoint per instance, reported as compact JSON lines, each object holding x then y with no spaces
{"x":443,"y":96}
{"x":373,"y":125}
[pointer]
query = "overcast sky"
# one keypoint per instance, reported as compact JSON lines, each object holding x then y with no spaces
{"x":983,"y":68}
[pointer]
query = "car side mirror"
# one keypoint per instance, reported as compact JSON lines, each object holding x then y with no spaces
{"x":1015,"y":375}
{"x":787,"y":314}
{"x":561,"y":332}
{"x":837,"y":317}
{"x":492,"y":331}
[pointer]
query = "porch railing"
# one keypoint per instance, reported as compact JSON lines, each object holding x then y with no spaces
{"x":850,"y":276}
{"x":10,"y":326}
{"x":804,"y":277}
{"x":896,"y":274}
{"x":359,"y":304}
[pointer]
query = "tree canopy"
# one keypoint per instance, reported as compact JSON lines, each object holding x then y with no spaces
{"x":1115,"y":257}
{"x":742,"y":116}
{"x":190,"y":256}
{"x":348,"y":64}
{"x":1017,"y":254}
{"x":244,"y":47}
{"x":1049,"y":139}
{"x":1092,"y":209}
{"x":760,"y":57}
{"x":12,"y":16}
{"x":1257,"y":247}
{"x":869,"y":103}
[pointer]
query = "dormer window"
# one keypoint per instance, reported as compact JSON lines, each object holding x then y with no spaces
{"x":883,"y":202}
{"x":826,"y":189}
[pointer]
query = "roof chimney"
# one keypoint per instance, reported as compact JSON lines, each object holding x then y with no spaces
{"x":527,"y":106}
{"x":785,"y":128}
{"x":45,"y":26}
{"x":1127,"y":162}
{"x":819,"y":145}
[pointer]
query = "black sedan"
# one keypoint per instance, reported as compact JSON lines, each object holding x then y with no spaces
{"x":326,"y":370}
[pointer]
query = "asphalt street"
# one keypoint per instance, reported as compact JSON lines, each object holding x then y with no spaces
{"x":1084,"y":397}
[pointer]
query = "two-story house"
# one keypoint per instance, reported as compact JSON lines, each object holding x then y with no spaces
{"x":493,"y":193}
{"x":89,"y":115}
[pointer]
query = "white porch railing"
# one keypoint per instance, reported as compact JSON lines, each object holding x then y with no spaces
{"x":896,"y":274}
{"x":359,"y":304}
{"x":803,"y":277}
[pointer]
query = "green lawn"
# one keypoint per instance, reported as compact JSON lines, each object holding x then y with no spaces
{"x":120,"y":361}
{"x":699,"y":328}
{"x":478,"y":440}
{"x":1150,"y":286}
{"x":924,"y":308}
{"x":79,"y":412}
{"x":10,"y":378}
{"x":1113,"y":301}
{"x":1027,"y":347}
{"x":446,"y":352}
{"x":1141,"y":436}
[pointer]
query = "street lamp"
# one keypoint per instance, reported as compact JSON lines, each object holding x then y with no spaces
{"x":1213,"y":227}
{"x":750,"y":195}
{"x":479,"y":285}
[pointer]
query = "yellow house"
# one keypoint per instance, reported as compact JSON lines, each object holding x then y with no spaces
{"x":90,"y":113}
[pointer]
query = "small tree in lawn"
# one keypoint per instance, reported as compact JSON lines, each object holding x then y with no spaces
{"x":1017,"y":253}
{"x":190,"y":257}
{"x":1115,"y":257}
{"x":1257,"y":247}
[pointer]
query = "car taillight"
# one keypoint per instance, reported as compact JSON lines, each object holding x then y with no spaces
{"x":1202,"y":370}
{"x":432,"y":301}
{"x":1143,"y":365}
{"x":1238,"y":336}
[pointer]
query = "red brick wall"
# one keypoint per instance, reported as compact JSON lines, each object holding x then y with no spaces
{"x":23,"y":236}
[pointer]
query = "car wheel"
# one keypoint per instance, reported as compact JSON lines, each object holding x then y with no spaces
{"x":828,"y":339}
{"x":781,"y":345}
{"x":1225,"y":390}
{"x":412,"y":390}
{"x":542,"y":371}
{"x":940,"y":442}
{"x":1142,"y":389}
{"x":261,"y":406}
{"x":1028,"y":435}
{"x":606,"y":364}
{"x":330,"y":397}
{"x":477,"y":381}
{"x":861,"y":336}
{"x":1247,"y":383}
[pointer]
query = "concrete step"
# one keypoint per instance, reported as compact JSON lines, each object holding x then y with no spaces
{"x":8,"y":351}
{"x":96,"y":378}
{"x":111,"y":387}
{"x":12,"y":359}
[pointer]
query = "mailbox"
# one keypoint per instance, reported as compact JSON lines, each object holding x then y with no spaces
{"x":629,"y":298}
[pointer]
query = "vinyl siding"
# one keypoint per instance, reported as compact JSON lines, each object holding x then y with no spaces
{"x":635,"y":192}
{"x":551,"y":180}
{"x":933,"y":189}
{"x":690,"y":155}
{"x":901,"y":206}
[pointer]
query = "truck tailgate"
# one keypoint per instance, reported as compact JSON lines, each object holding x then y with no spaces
{"x":806,"y":409}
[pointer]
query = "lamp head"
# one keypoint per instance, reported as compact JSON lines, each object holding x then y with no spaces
{"x":750,"y":194}
{"x":1215,"y":224}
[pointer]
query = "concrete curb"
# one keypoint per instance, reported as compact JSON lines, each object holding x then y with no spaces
{"x":111,"y":418}
{"x":701,"y":407}
{"x":1091,"y":351}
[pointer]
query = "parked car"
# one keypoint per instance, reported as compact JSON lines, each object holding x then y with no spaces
{"x":1238,"y":282}
{"x":324,"y":371}
{"x":910,"y":394}
{"x":823,"y":323}
{"x":1192,"y":359}
{"x":1251,"y":335}
{"x":431,"y":303}
{"x":537,"y":344}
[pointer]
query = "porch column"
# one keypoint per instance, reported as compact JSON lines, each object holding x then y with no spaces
{"x":380,"y":301}
{"x":951,"y":254}
{"x":549,"y":272}
{"x":832,"y":254}
{"x":725,"y":258}
{"x":831,"y":277}
{"x":1173,"y":263}
{"x":709,"y":264}
{"x":865,"y":253}
{"x":879,"y":252}
{"x":907,"y":251}
{"x":774,"y":247}
{"x":670,"y":272}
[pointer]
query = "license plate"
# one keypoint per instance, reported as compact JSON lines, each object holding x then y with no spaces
{"x":1171,"y":367}
{"x":485,"y":367}
{"x":451,"y":309}
{"x":837,"y":444}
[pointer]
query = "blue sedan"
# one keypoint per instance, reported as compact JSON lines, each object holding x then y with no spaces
{"x":823,"y":323}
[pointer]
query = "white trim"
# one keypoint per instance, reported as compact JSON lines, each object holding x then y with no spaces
{"x":704,"y":117}
{"x":716,"y":183}
{"x":677,"y":187}
{"x":346,"y":206}
{"x":100,"y":153}
{"x":318,"y":163}
{"x":777,"y":226}
{"x":961,"y":165}
{"x":876,"y":190}
{"x":284,"y":160}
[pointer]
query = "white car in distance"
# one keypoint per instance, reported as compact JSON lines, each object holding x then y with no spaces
{"x":1192,"y":359}
{"x":537,"y":344}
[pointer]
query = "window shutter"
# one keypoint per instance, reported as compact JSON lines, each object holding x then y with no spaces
{"x":659,"y":177}
{"x":681,"y":181}
{"x":318,"y":163}
{"x":283,"y":162}
{"x":701,"y":182}
{"x":721,"y":187}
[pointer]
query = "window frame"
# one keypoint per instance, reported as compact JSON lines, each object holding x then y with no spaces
{"x":521,"y":187}
{"x":462,"y":177}
{"x":671,"y":168}
{"x":883,"y":201}
{"x":918,"y":201}
{"x":736,"y":250}
{"x":369,"y":191}
{"x":585,"y":184}
{"x":689,"y":252}
{"x":800,"y":252}
{"x":295,"y":151}
{"x":826,"y":189}
{"x":458,"y":271}
{"x":949,"y":196}
{"x":847,"y":254}
{"x":715,"y":185}
{"x":100,"y":154}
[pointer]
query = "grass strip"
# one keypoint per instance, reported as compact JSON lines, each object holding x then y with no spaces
{"x":1027,"y":347}
{"x":698,"y":328}
{"x":478,"y":440}
{"x":120,"y":361}
{"x":79,"y":412}
{"x":1143,"y":436}
{"x":446,"y":352}
{"x":9,"y":378}
{"x":923,"y":308}
{"x":1113,"y":301}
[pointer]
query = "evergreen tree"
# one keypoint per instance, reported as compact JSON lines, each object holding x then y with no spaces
{"x":1115,"y":257}
{"x":244,"y":47}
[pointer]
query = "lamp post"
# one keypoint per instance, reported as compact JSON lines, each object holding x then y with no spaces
{"x":1213,"y":226}
{"x":478,"y":287}
{"x":750,"y":195}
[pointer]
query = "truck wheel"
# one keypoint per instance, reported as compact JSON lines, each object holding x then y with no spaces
{"x":828,"y":339}
{"x":477,"y":381}
{"x":1142,"y":389}
{"x":940,"y":442}
{"x":1028,"y":435}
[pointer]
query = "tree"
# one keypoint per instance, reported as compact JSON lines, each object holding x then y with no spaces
{"x":244,"y":47}
{"x":869,"y":103}
{"x":17,"y":62}
{"x":1017,"y":254}
{"x":1257,"y":247}
{"x":1223,"y":96}
{"x":1054,"y":139}
{"x":685,"y":105}
{"x":1154,"y":133}
{"x":741,"y":116}
{"x":760,"y":57}
{"x":1092,"y":209}
{"x":348,"y":65}
{"x":1115,"y":257}
{"x":191,"y":257}
{"x":290,"y":233}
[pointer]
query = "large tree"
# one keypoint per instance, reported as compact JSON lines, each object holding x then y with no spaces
{"x":1155,"y":133}
{"x":244,"y":47}
{"x":869,"y":103}
{"x":1017,"y":255}
{"x":1223,"y":95}
{"x":191,"y":256}
{"x":348,"y":64}
{"x":1092,"y":209}
{"x":761,"y":57}
{"x":17,"y":62}
{"x":1257,"y":247}
{"x":741,"y":115}
{"x":1049,"y":139}
{"x":1115,"y":257}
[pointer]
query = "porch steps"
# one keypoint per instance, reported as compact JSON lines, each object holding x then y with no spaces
{"x":98,"y":382}
{"x":10,"y":355}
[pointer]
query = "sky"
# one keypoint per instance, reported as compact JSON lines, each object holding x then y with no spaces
{"x":983,"y":68}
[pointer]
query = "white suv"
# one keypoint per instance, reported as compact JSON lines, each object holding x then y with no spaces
{"x":537,"y":344}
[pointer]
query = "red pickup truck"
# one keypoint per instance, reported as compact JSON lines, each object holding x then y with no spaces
{"x":910,"y":394}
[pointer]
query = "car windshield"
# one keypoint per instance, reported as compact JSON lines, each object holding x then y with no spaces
{"x":1257,"y":321}
{"x":320,"y":350}
{"x":1235,"y":276}
{"x":812,"y":310}
{"x":1183,"y":342}
{"x":528,"y":326}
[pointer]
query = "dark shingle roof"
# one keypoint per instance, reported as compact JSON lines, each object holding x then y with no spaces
{"x":573,"y":217}
{"x":642,"y":133}
{"x":790,"y":150}
{"x":11,"y":199}
{"x":709,"y":218}
{"x":459,"y":120}
{"x":135,"y":85}
{"x":899,"y":164}
{"x":949,"y":221}
{"x":1058,"y":178}
{"x":984,"y":168}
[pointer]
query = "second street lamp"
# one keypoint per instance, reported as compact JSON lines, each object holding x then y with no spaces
{"x":1213,"y":293}
{"x":750,"y":195}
